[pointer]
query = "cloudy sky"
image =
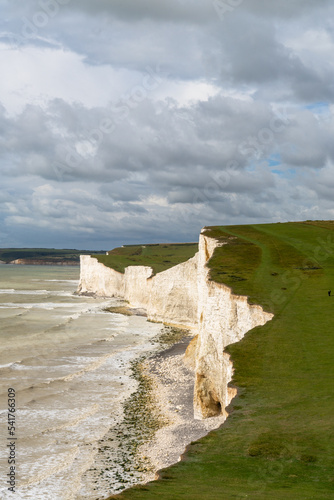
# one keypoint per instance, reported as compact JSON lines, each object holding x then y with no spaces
{"x":131,"y":121}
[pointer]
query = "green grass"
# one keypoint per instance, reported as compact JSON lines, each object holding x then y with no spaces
{"x":159,"y":257}
{"x":47,"y":254}
{"x":278,"y":442}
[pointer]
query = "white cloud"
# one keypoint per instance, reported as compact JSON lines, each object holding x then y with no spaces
{"x":142,"y":121}
{"x":37,"y":75}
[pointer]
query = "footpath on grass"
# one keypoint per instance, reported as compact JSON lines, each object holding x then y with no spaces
{"x":277,"y":442}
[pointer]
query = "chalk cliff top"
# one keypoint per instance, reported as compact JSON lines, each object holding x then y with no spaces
{"x":158,"y":256}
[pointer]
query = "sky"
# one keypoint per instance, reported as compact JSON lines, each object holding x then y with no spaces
{"x":142,"y":121}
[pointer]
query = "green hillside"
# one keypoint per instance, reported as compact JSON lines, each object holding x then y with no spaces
{"x":159,"y":257}
{"x":277,"y":443}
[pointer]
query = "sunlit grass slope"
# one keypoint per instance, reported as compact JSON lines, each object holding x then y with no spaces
{"x":159,"y":257}
{"x":278,"y":440}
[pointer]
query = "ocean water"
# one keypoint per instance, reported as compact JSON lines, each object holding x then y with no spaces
{"x":69,"y":363}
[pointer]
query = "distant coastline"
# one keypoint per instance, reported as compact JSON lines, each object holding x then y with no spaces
{"x":43,"y":256}
{"x":41,"y":262}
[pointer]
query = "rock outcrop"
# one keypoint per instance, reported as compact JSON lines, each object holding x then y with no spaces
{"x":185,"y":296}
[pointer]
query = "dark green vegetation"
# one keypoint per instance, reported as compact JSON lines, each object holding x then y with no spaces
{"x":278,"y":442}
{"x":43,"y":254}
{"x":159,"y":257}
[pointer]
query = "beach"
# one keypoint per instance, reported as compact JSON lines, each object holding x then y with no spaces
{"x":173,"y":384}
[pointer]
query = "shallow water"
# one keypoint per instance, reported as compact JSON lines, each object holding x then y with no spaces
{"x":69,"y":363}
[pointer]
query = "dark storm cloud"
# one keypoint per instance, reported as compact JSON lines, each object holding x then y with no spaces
{"x":176,"y":11}
{"x":283,"y":9}
{"x":190,"y":11}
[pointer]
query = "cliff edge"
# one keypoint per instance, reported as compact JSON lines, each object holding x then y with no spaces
{"x":185,"y":296}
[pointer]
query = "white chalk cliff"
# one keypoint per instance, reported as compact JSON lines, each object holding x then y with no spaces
{"x":184,"y":296}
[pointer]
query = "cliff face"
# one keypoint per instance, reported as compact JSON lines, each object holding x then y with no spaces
{"x":169,"y":297}
{"x":98,"y":279}
{"x":183,"y":295}
{"x":223,"y":318}
{"x":174,"y":295}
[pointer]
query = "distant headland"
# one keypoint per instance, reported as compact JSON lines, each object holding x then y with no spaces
{"x":42,"y":256}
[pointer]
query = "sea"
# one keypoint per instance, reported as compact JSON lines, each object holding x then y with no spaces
{"x":65,"y":373}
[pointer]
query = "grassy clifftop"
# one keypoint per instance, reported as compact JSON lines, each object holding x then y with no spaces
{"x":278,"y":442}
{"x":159,"y":257}
{"x":263,"y":261}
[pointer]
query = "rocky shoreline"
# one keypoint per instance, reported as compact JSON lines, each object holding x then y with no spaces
{"x":173,"y":393}
{"x":162,"y":412}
